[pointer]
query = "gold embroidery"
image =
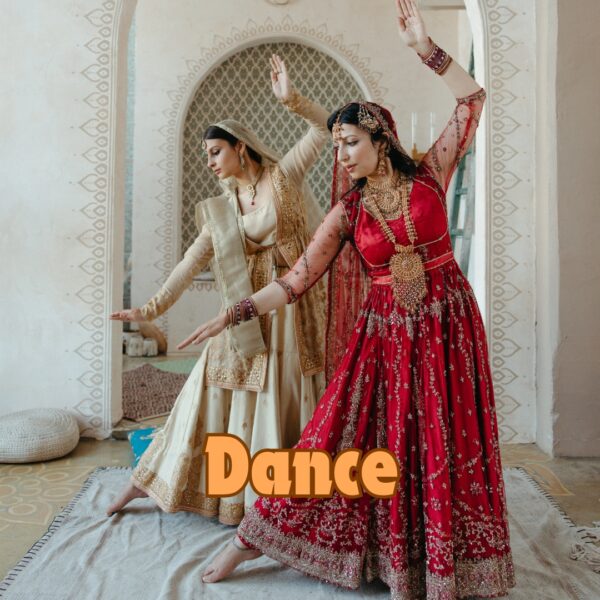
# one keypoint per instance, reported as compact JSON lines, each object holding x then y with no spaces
{"x":297,"y":103}
{"x":184,"y":492}
{"x":226,"y":368}
{"x":292,"y":239}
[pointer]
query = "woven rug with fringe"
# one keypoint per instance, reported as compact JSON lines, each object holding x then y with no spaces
{"x":150,"y":392}
{"x":146,"y":553}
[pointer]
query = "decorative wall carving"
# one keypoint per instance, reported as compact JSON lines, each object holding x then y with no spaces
{"x":508,"y":26}
{"x":94,"y":409}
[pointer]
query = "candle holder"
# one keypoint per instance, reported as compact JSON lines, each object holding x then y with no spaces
{"x":416,"y":155}
{"x":417,"y":133}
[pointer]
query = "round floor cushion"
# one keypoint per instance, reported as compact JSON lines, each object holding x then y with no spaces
{"x":37,"y":434}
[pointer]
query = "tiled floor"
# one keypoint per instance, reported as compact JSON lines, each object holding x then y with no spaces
{"x":30,"y":495}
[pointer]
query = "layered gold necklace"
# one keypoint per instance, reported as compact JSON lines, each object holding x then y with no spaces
{"x":388,"y":199}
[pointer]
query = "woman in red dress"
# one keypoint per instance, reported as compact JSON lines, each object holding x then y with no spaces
{"x":414,"y":379}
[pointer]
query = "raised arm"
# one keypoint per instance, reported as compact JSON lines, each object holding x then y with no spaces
{"x":310,"y":267}
{"x":306,"y":150}
{"x":447,"y":151}
{"x":445,"y":154}
{"x":193,"y":261}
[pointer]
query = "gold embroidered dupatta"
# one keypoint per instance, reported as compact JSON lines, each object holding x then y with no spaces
{"x":232,"y":361}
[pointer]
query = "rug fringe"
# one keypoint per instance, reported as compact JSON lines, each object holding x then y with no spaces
{"x":586,"y":549}
{"x":54,"y":525}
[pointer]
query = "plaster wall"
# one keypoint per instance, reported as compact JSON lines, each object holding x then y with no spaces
{"x":59,"y":175}
{"x":577,"y":367}
{"x":547,"y":279}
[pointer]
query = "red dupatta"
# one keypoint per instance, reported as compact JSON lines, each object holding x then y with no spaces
{"x":349,"y":284}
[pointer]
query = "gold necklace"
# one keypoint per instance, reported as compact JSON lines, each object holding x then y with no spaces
{"x":251,"y":187}
{"x":406,"y":266}
{"x":385,"y":194}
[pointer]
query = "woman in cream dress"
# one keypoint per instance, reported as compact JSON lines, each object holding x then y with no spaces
{"x":260,"y":383}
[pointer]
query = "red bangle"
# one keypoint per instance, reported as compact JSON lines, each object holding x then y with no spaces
{"x":437,"y":60}
{"x":242,"y":311}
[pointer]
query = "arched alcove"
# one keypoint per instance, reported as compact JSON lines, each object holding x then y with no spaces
{"x":236,"y":89}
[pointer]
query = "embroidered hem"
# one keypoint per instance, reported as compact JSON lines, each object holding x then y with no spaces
{"x":227,"y":513}
{"x":487,"y":578}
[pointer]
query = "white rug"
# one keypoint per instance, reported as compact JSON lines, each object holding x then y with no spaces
{"x":145,"y":554}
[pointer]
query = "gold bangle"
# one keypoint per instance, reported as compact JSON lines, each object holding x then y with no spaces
{"x":296,"y":102}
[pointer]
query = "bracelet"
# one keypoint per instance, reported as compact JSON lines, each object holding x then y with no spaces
{"x":436,"y":59}
{"x":296,"y":102}
{"x":242,"y":311}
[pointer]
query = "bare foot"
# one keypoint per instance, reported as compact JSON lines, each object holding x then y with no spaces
{"x":232,"y":555}
{"x":129,"y":493}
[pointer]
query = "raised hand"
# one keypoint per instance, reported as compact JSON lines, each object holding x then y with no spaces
{"x":411,"y":26}
{"x":280,"y":80}
{"x":131,"y":314}
{"x":208,"y":329}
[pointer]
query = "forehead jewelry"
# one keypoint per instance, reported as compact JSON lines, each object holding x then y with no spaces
{"x":366,"y":120}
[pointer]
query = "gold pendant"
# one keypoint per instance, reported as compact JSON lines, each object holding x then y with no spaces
{"x":408,"y":277}
{"x":252,"y":191}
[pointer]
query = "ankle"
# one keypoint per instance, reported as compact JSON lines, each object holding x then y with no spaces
{"x":240,"y":544}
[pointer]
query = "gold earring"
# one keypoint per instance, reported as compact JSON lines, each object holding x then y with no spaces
{"x":242,"y":162}
{"x":382,"y":162}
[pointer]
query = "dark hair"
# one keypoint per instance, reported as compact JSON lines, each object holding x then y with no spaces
{"x":216,"y":133}
{"x":400,"y":161}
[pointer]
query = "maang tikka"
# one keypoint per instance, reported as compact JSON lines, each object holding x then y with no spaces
{"x":366,"y":121}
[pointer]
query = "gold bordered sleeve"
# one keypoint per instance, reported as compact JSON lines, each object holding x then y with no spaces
{"x":194,"y":260}
{"x":306,"y":150}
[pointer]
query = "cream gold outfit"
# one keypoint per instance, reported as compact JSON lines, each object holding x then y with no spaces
{"x":260,"y":382}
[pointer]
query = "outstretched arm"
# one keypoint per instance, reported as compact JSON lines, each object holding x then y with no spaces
{"x":194,"y":260}
{"x":310,"y":267}
{"x":445,"y":154}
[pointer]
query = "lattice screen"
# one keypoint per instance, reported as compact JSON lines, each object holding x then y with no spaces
{"x":240,"y":88}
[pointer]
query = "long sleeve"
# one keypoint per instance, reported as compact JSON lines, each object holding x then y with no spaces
{"x":193,"y":261}
{"x":445,"y":154}
{"x":306,"y":150}
{"x":316,"y":259}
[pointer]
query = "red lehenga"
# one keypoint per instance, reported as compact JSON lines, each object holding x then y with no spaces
{"x":419,"y":385}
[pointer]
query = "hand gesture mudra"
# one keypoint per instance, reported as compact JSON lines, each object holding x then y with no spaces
{"x":280,"y":80}
{"x":206,"y":330}
{"x":129,"y":314}
{"x":411,"y":25}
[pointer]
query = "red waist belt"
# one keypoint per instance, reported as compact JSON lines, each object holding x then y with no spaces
{"x":428,"y":265}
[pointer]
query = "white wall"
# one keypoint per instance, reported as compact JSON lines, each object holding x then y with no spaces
{"x":577,"y":365}
{"x":57,"y":231}
{"x":547,"y":278}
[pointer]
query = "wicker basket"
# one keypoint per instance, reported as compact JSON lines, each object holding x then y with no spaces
{"x":36,"y":435}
